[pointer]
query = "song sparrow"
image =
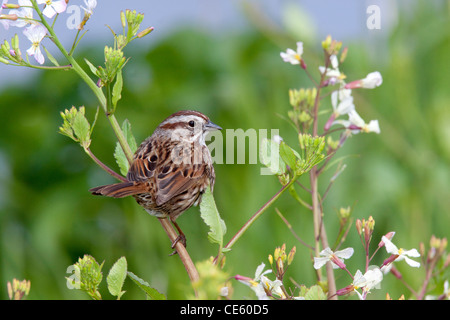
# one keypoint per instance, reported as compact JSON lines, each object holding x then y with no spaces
{"x":171,"y":169}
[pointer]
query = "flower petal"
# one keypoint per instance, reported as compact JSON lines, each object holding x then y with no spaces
{"x":345,"y":254}
{"x":320,"y":262}
{"x":390,"y":247}
{"x":49,"y":12}
{"x":412,"y":263}
{"x":412,"y":253}
{"x":59,"y":6}
{"x":39,"y":56}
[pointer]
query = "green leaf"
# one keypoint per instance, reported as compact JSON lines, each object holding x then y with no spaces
{"x":270,"y":156}
{"x":289,"y":155}
{"x":315,"y":293}
{"x":82,"y":128}
{"x":76,"y":126}
{"x":117,"y":90}
{"x":50,"y":57}
{"x":211,"y":216}
{"x":121,"y":159}
{"x":92,"y":67}
{"x":151,"y":293}
{"x":116,"y":277}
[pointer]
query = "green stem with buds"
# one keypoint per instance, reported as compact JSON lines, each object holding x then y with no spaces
{"x":92,"y":85}
{"x":181,"y":250}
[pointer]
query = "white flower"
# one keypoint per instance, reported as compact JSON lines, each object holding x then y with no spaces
{"x":371,"y":81}
{"x":255,"y":283}
{"x":333,"y":73}
{"x":356,"y":124}
{"x":291,"y":56}
{"x":342,"y":102}
{"x":274,"y":287}
{"x":24,"y":14}
{"x":336,"y":258}
{"x":370,"y":280}
{"x":90,"y":6}
{"x":4,"y":23}
{"x":262,"y":285}
{"x":35,"y":34}
{"x":401,"y":253}
{"x":53,"y":7}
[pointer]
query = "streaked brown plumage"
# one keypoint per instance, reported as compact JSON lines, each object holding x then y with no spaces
{"x":171,"y":169}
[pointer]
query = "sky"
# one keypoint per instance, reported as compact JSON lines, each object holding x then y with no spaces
{"x":344,"y":19}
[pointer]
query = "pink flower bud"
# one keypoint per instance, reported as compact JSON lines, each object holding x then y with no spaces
{"x":390,"y":259}
{"x":389,"y":236}
{"x":348,"y":289}
{"x":12,"y":17}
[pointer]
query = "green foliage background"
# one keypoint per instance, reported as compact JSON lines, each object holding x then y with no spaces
{"x":401,"y":177}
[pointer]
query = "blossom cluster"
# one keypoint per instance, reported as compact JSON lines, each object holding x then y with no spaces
{"x":373,"y":275}
{"x":341,"y":99}
{"x":362,"y":283}
{"x":20,"y":15}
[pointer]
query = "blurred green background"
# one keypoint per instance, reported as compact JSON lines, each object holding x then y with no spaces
{"x":401,"y":177}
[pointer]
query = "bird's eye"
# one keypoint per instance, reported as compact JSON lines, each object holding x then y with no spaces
{"x":191,"y":123}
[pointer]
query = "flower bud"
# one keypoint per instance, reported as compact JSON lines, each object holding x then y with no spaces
{"x":280,"y":266}
{"x":358,"y":225}
{"x":344,"y":291}
{"x":145,"y":32}
{"x":10,"y":6}
{"x":343,"y":55}
{"x":123,"y":19}
{"x":291,"y":255}
{"x":389,"y":260}
{"x":12,"y":17}
{"x":18,"y":289}
{"x":277,"y":253}
{"x":389,"y":236}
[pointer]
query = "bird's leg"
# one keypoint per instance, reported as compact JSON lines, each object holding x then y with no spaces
{"x":181,"y":237}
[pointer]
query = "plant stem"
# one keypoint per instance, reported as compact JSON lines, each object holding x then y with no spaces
{"x":83,"y":75}
{"x":183,"y":254}
{"x":104,"y":166}
{"x":320,"y":235}
{"x":258,"y":213}
{"x":181,"y":250}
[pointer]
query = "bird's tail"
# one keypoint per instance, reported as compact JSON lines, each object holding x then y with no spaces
{"x":118,"y":190}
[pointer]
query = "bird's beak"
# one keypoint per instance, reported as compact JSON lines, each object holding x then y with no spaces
{"x":210,"y":126}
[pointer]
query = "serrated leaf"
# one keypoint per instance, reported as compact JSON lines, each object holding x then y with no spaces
{"x":151,"y":293}
{"x":82,"y":128}
{"x":315,"y":293}
{"x":116,"y":277}
{"x":121,"y":159}
{"x":211,"y":216}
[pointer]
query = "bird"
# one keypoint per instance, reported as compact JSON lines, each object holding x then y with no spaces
{"x":170,"y":170}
